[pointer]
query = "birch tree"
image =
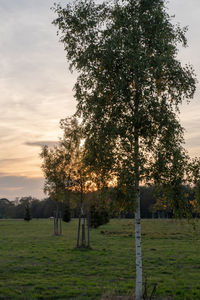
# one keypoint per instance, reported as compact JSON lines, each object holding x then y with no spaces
{"x":65,"y":172}
{"x":129,"y":87}
{"x":61,"y":163}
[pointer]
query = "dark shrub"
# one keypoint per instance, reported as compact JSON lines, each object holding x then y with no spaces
{"x":66,"y":214}
{"x":98,"y":216}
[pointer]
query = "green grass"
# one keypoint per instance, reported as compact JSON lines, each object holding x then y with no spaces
{"x":35,"y":264}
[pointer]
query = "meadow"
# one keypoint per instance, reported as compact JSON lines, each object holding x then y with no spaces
{"x":35,"y":264}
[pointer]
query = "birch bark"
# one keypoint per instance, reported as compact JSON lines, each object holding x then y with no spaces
{"x":138,"y":249}
{"x":137,"y":215}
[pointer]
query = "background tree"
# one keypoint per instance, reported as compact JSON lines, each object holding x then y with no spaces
{"x":38,"y":208}
{"x":194,"y":180}
{"x":23,"y":207}
{"x":64,"y":171}
{"x":129,"y":89}
{"x":5,"y":204}
{"x":27,"y":215}
{"x":60,"y":164}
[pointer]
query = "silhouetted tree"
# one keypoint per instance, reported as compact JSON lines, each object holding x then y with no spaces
{"x":27,"y":215}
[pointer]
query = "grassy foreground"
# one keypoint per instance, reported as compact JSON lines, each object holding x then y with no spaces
{"x":35,"y":264}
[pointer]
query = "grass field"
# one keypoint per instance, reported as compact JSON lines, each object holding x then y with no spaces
{"x":35,"y":264}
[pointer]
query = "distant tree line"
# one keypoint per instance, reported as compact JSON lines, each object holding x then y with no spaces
{"x":150,"y":206}
{"x":16,"y":209}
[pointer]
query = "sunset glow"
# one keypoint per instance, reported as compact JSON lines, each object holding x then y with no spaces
{"x":36,"y":89}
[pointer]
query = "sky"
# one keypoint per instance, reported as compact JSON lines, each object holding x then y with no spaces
{"x":36,"y":89}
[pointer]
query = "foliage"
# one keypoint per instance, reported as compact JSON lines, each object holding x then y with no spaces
{"x":45,"y":208}
{"x":65,"y":174}
{"x":39,"y":208}
{"x":194,"y":178}
{"x":5,"y":205}
{"x":61,"y":163}
{"x":129,"y":89}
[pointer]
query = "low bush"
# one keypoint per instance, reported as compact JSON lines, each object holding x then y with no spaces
{"x":98,"y":216}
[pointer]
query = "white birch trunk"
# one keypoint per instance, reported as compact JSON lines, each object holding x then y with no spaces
{"x":138,"y":250}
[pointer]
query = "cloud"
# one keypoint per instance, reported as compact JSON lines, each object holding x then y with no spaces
{"x":5,"y":162}
{"x":28,"y":166}
{"x":42,"y":143}
{"x":194,"y":141}
{"x":19,"y":186}
{"x":11,"y":160}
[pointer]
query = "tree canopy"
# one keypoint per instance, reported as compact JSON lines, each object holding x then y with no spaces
{"x":61,"y":164}
{"x":129,"y":88}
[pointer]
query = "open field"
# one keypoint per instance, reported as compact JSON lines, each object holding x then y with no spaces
{"x":34,"y":264}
